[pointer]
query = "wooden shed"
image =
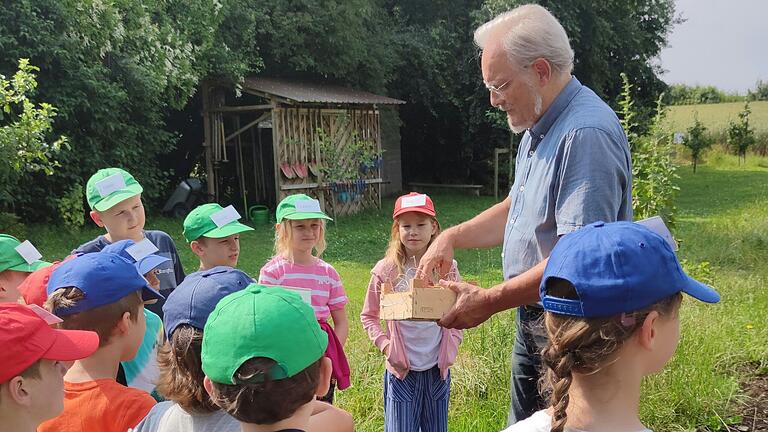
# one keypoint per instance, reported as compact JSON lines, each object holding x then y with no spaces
{"x":296,"y":137}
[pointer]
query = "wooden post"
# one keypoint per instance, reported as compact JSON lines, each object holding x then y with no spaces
{"x":207,"y":144}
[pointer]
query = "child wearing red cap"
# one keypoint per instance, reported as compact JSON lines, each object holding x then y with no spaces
{"x":33,"y":361}
{"x":418,"y":353}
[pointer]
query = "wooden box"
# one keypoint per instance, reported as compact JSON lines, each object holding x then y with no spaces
{"x":421,"y":302}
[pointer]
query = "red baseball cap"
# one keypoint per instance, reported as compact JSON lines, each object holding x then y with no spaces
{"x":414,"y":202}
{"x":34,"y":288}
{"x":27,"y":338}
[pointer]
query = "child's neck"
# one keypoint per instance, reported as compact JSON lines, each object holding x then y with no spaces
{"x":303,"y":257}
{"x":101,"y":364}
{"x":605,"y":401}
{"x":299,"y":420}
{"x":416,"y":255}
{"x":15,"y":418}
{"x":137,"y":238}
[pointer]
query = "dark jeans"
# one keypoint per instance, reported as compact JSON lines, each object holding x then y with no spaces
{"x":526,"y":365}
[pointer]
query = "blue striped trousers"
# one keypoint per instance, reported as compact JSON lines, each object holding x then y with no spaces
{"x":417,"y":403}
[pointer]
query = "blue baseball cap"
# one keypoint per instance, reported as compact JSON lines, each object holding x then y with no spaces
{"x":196,"y":297}
{"x":616,"y":267}
{"x":131,"y":250}
{"x":104,"y":278}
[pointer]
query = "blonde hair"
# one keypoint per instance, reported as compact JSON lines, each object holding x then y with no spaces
{"x":284,"y":235}
{"x":585,"y":345}
{"x":396,"y":249}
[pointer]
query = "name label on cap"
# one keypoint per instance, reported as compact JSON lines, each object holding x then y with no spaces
{"x":140,"y":250}
{"x":224,"y":216}
{"x":29,"y":252}
{"x":48,"y":317}
{"x":413,"y":201}
{"x":308,"y":206}
{"x":110,"y":184}
{"x":657,"y":225}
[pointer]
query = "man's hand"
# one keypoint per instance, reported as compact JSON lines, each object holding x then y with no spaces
{"x":438,"y":258}
{"x":473,"y":306}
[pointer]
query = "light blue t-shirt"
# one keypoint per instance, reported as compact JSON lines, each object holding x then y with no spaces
{"x":573,"y":168}
{"x":143,"y":371}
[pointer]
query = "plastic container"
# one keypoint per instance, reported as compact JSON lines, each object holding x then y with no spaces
{"x":259,"y":214}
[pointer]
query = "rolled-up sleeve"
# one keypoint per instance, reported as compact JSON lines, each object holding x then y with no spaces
{"x":593,"y":179}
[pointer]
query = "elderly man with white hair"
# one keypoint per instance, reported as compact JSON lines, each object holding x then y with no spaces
{"x":573,"y":168}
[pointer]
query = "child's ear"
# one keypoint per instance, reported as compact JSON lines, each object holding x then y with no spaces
{"x":646,"y":334}
{"x":324,"y":383}
{"x":277,"y":227}
{"x":124,"y":325}
{"x":208,"y":385}
{"x":18,"y":392}
{"x":96,"y":218}
{"x":196,"y":247}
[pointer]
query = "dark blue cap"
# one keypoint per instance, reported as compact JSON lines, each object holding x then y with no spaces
{"x":616,"y":267}
{"x":196,"y":297}
{"x":145,"y":263}
{"x":104,"y":278}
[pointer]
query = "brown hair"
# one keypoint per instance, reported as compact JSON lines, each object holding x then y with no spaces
{"x":284,"y":234}
{"x":396,"y":248}
{"x":268,"y":401}
{"x":101,"y":320}
{"x":181,"y":372}
{"x":585,"y":345}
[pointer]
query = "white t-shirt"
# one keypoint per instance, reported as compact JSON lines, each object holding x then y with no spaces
{"x":170,"y":417}
{"x":541,"y":421}
{"x":422,"y":343}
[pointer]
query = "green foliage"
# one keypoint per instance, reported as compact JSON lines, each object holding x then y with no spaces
{"x":697,"y":140}
{"x":653,"y":170}
{"x":740,"y":135}
{"x":11,"y":224}
{"x":681,"y":94}
{"x":760,"y":92}
{"x":24,"y":128}
{"x":70,"y":207}
{"x":342,"y":163}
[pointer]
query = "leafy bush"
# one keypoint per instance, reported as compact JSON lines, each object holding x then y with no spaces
{"x":697,"y":140}
{"x":653,"y":169}
{"x":741,"y":136}
{"x":70,"y":207}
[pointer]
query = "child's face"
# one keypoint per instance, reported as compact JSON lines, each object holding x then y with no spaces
{"x":214,"y":252}
{"x":416,"y":230}
{"x":47,"y":392}
{"x":123,"y":221}
{"x":305,"y":234}
{"x":151,"y":277}
{"x":9,"y":285}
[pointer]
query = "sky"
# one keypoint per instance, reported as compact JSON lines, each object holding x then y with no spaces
{"x":722,"y":43}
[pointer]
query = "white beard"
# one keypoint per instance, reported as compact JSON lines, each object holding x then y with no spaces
{"x":518,"y":129}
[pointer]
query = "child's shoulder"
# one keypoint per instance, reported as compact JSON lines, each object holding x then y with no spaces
{"x":95,"y":245}
{"x":385,"y":268}
{"x":159,"y":238}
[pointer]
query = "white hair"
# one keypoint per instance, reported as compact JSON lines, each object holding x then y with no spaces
{"x":527,"y":33}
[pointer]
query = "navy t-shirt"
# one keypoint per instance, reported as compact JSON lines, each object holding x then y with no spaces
{"x":170,"y":273}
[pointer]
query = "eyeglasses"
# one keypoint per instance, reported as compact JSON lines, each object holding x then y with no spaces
{"x":496,"y":90}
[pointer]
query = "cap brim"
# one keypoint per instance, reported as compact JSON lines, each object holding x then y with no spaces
{"x":29,"y":268}
{"x":72,"y":345}
{"x":307,"y":215}
{"x":413,"y":210}
{"x":118,"y":197}
{"x":700,"y":291}
{"x":150,"y":262}
{"x":227,"y":230}
{"x":149,"y":294}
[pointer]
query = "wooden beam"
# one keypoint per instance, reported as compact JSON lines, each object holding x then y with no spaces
{"x":242,"y":108}
{"x":246,"y":127}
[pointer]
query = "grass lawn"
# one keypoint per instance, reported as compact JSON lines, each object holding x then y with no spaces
{"x":723,"y":227}
{"x":716,"y":116}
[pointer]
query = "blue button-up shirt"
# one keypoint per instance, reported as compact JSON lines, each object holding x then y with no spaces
{"x":573,"y":167}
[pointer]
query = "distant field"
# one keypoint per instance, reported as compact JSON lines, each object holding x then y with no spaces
{"x":716,"y":116}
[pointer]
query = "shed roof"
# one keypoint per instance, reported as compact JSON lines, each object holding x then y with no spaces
{"x":307,"y":92}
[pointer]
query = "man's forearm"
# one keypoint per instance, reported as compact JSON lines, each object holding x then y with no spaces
{"x":482,"y":231}
{"x":520,"y":290}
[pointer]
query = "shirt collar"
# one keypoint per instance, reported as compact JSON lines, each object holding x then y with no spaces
{"x":540,"y":129}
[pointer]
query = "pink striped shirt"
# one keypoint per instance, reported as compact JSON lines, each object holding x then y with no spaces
{"x":324,"y":281}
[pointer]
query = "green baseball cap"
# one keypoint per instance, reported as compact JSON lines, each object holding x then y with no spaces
{"x":110,"y":186}
{"x":261,"y":321}
{"x":214,"y":221}
{"x":18,"y":256}
{"x":299,"y":206}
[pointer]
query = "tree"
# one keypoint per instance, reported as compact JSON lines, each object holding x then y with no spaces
{"x":740,"y":135}
{"x":697,"y":140}
{"x":24,"y":131}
